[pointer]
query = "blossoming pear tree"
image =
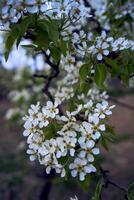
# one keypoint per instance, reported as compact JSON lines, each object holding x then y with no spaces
{"x":84,"y":49}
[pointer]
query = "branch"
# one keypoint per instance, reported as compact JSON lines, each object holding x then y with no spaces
{"x":131,"y":76}
{"x":54,"y":70}
{"x":108,"y":181}
{"x":48,"y":78}
{"x":99,"y":28}
{"x":46,"y":189}
{"x":52,"y":75}
{"x":40,"y":76}
{"x":121,"y":103}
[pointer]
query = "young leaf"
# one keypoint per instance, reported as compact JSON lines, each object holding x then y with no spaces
{"x":63,"y":47}
{"x":43,"y":24}
{"x":53,"y":32}
{"x":98,"y":190}
{"x":104,"y":143}
{"x":108,"y":136}
{"x":42,"y":39}
{"x":84,"y":87}
{"x":25,"y":23}
{"x":23,"y":26}
{"x":125,"y":79}
{"x":84,"y":71}
{"x":56,"y":54}
{"x":100,"y":75}
{"x":85,"y":184}
{"x":125,"y":74}
{"x":11,"y":40}
{"x":130,"y":193}
{"x":114,"y":66}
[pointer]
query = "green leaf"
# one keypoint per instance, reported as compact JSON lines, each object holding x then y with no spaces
{"x":53,"y":32}
{"x":51,"y":27}
{"x":104,"y":143}
{"x":85,"y":184}
{"x":56,"y":53}
{"x":43,"y":24}
{"x":71,"y":105}
{"x":17,"y":32}
{"x":100,"y":75}
{"x":64,"y":160}
{"x":115,"y":68}
{"x":11,"y":40}
{"x":125,"y":74}
{"x":84,"y":87}
{"x":98,"y":190}
{"x":51,"y":130}
{"x":108,"y":136}
{"x":63,"y":47}
{"x":23,"y":27}
{"x":130,"y":193}
{"x":25,"y":23}
{"x":42,"y":39}
{"x":84,"y":71}
{"x":125,"y":79}
{"x":110,"y":129}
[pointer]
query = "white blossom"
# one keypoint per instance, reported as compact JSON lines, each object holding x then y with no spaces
{"x":96,"y":126}
{"x":74,"y":198}
{"x":103,"y":109}
{"x":80,"y":167}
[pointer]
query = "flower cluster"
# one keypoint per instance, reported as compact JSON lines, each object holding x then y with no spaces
{"x":65,"y":142}
{"x":125,"y":10}
{"x":12,"y":10}
{"x":94,"y":94}
{"x":66,"y":88}
{"x":70,"y":67}
{"x":104,"y":45}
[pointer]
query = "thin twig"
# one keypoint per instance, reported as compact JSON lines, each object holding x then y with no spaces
{"x":121,"y":103}
{"x":40,"y":76}
{"x":108,"y":181}
{"x":93,"y":18}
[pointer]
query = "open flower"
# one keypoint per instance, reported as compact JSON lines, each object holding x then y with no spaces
{"x":51,"y":109}
{"x":95,"y":125}
{"x":29,"y":128}
{"x":88,"y":150}
{"x":88,"y":106}
{"x":43,"y":119}
{"x":81,"y":167}
{"x":103,"y":109}
{"x":102,"y":49}
{"x":70,"y":144}
{"x":86,"y":133}
{"x":33,"y":114}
